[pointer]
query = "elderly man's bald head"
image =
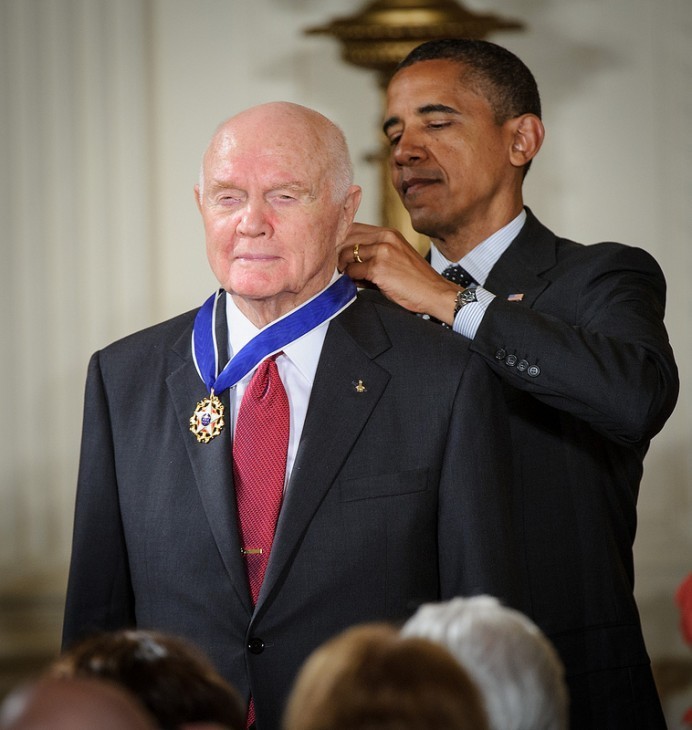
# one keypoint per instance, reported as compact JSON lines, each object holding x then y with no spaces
{"x":291,"y":124}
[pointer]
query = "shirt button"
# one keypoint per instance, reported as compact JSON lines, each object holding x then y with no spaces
{"x":534,"y":371}
{"x":501,"y":354}
{"x":511,"y":360}
{"x":255,"y":645}
{"x":522,"y":365}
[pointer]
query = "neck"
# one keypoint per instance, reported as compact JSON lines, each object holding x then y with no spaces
{"x":466,"y":237}
{"x":262,"y":312}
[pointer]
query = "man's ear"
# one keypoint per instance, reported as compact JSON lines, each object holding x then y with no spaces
{"x":527,"y":138}
{"x":198,"y":199}
{"x":348,"y":213}
{"x":353,"y":198}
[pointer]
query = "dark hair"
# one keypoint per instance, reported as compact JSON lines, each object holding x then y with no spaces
{"x":496,"y":73}
{"x":172,"y":678}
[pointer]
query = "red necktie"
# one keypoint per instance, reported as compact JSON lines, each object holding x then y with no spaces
{"x":259,"y":467}
{"x":260,"y":443}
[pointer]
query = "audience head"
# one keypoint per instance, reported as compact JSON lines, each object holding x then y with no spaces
{"x":371,"y":678}
{"x":173,"y":679}
{"x":73,"y":704}
{"x":510,"y":659}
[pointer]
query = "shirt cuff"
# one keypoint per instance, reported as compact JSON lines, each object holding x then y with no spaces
{"x":469,"y":317}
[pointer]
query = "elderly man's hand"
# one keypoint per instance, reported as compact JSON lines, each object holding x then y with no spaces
{"x":384,"y":258}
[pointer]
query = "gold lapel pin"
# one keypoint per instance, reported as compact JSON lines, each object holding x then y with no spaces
{"x":359,"y":387}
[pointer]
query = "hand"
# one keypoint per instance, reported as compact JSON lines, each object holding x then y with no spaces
{"x":394,"y":266}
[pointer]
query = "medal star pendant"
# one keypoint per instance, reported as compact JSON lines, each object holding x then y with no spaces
{"x":207,"y":421}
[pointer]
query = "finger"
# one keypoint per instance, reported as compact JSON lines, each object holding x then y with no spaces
{"x":356,"y":253}
{"x":368,"y":234}
{"x":364,"y":228}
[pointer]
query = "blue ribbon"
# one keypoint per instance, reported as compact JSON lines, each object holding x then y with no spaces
{"x":273,"y":338}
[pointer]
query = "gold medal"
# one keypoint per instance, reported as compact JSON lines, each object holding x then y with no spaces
{"x":207,"y":421}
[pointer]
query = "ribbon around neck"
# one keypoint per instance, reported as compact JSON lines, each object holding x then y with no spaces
{"x":273,"y":338}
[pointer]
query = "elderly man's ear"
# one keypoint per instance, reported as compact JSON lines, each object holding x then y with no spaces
{"x":350,"y":208}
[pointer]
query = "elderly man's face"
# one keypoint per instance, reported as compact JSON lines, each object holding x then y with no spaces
{"x":272,"y":225}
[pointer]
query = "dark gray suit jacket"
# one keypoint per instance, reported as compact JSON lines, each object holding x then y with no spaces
{"x":398,"y":496}
{"x":589,"y":379}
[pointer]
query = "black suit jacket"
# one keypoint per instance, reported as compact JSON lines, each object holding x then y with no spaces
{"x":589,"y":379}
{"x":399,"y":495}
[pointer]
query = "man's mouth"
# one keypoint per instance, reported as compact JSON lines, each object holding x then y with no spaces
{"x":415,"y":184}
{"x":255,"y":257}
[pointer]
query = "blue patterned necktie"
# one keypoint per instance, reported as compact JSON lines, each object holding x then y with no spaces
{"x":458,"y":275}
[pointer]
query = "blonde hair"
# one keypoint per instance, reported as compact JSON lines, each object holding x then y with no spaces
{"x":370,"y":678}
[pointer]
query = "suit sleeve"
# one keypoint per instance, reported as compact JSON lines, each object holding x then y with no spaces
{"x":593,"y":344}
{"x":99,"y":595}
{"x":479,"y":537}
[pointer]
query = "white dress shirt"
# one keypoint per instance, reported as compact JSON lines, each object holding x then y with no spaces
{"x":297,"y":367}
{"x":479,"y":262}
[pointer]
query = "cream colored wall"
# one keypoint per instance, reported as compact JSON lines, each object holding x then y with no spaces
{"x":105,"y":109}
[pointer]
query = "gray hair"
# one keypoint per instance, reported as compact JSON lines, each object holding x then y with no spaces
{"x":341,"y":177}
{"x":515,"y":666}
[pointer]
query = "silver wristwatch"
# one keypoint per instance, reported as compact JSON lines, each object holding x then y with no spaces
{"x":464,"y":297}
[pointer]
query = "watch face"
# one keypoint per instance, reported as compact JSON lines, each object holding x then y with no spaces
{"x":463,"y":298}
{"x":468,"y":295}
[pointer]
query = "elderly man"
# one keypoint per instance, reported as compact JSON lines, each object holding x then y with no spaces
{"x":285,"y":462}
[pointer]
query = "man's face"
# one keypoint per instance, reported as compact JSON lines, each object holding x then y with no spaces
{"x":449,"y":158}
{"x":270,"y":220}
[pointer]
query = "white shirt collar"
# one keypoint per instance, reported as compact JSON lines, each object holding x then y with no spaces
{"x":304,"y":352}
{"x":481,"y":259}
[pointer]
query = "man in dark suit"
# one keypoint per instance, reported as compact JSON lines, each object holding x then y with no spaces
{"x":575,"y":332}
{"x":395,"y":488}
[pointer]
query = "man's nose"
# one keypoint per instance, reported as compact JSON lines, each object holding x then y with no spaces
{"x":254,"y":221}
{"x":408,"y":149}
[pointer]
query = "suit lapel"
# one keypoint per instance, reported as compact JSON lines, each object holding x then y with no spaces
{"x":348,"y":384}
{"x":211,"y":464}
{"x":518,"y":271}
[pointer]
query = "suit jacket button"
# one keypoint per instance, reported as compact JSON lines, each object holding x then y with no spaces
{"x":534,"y":371}
{"x":255,"y":645}
{"x":511,"y":360}
{"x":501,"y":354}
{"x":522,"y":365}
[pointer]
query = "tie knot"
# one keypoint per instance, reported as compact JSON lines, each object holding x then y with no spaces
{"x":458,"y":275}
{"x":266,"y":380}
